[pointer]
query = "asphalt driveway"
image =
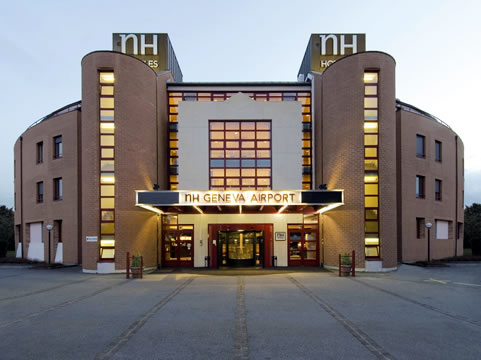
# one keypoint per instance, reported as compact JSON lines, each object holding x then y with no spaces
{"x":413,"y":313}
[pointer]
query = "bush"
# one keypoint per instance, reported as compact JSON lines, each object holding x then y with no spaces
{"x":3,"y":248}
{"x":472,"y":228}
{"x":6,"y":229}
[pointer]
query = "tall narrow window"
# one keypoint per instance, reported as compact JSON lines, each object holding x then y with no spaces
{"x":240,"y":155}
{"x":420,"y":226}
{"x":107,"y":165}
{"x":420,"y":187}
{"x":437,"y":189}
{"x":438,"y":151}
{"x":40,"y":192}
{"x":57,"y":147}
{"x":57,"y":189}
{"x":371,"y":166}
{"x":57,"y":230}
{"x":40,"y":152}
{"x":420,"y":146}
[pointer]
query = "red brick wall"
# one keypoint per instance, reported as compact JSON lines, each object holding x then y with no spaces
{"x":339,"y":96}
{"x":411,"y":124}
{"x":65,"y":167}
{"x":138,"y":106}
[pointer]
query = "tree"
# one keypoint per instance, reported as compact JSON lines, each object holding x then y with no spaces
{"x":7,"y":239}
{"x":472,"y":228}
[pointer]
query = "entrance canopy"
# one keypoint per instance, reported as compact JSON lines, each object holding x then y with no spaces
{"x":240,"y":201}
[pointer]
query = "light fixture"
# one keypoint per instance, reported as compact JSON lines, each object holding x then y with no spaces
{"x":282,"y":209}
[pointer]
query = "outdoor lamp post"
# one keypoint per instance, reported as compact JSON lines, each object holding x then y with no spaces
{"x":429,"y":226}
{"x":49,"y":228}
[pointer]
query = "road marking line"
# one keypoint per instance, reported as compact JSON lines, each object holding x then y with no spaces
{"x":467,"y":284}
{"x":355,"y":331}
{"x":241,"y":345}
{"x":137,"y":325}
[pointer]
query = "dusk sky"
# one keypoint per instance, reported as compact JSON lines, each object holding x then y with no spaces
{"x":436,"y":45}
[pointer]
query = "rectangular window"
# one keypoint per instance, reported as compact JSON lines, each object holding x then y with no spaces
{"x":420,"y":187}
{"x":442,"y":229}
{"x":438,"y":151}
{"x":437,"y":189}
{"x":371,"y":165}
{"x":40,"y":152}
{"x":231,"y":168}
{"x":40,"y":192}
{"x":107,"y":165}
{"x":57,"y":228}
{"x":420,"y":226}
{"x":57,"y":189}
{"x":57,"y":147}
{"x":420,"y":148}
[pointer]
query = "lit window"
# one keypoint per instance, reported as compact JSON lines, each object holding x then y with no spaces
{"x":107,"y":77}
{"x":370,"y":77}
{"x":227,"y":160}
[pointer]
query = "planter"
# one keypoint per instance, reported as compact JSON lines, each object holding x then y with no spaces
{"x":346,"y":270}
{"x":136,"y":272}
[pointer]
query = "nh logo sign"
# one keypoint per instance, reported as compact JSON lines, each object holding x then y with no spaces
{"x":338,"y":44}
{"x":136,"y":47}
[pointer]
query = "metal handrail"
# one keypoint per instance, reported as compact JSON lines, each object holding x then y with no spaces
{"x":415,"y":110}
{"x":63,"y":110}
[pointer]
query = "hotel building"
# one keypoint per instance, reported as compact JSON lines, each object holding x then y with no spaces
{"x":258,"y":174}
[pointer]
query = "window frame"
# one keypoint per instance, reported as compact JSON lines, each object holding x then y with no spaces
{"x":420,"y":228}
{"x":40,"y":192}
{"x":438,"y":151}
{"x":57,"y":147}
{"x":438,"y":196}
{"x":241,"y":140}
{"x":421,"y":185}
{"x":40,"y":152}
{"x":57,"y":189}
{"x":423,"y":138}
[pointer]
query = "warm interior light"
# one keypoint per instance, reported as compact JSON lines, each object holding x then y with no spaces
{"x":370,"y":178}
{"x":107,"y":243}
{"x":107,"y":77}
{"x":370,"y":125}
{"x":370,"y":77}
{"x":107,"y":179}
{"x":198,"y":209}
{"x":150,"y":208}
{"x":107,"y":126}
{"x":329,"y":207}
{"x":371,"y":241}
{"x":282,"y":209}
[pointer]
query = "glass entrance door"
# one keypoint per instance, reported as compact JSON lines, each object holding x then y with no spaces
{"x":179,"y":248}
{"x":303,"y":246}
{"x":241,"y":248}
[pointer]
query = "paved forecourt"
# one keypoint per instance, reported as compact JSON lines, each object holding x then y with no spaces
{"x":413,"y":313}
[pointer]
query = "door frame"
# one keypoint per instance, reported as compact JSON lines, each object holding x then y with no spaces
{"x":213,"y":229}
{"x":302,"y":262}
{"x":178,"y":262}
